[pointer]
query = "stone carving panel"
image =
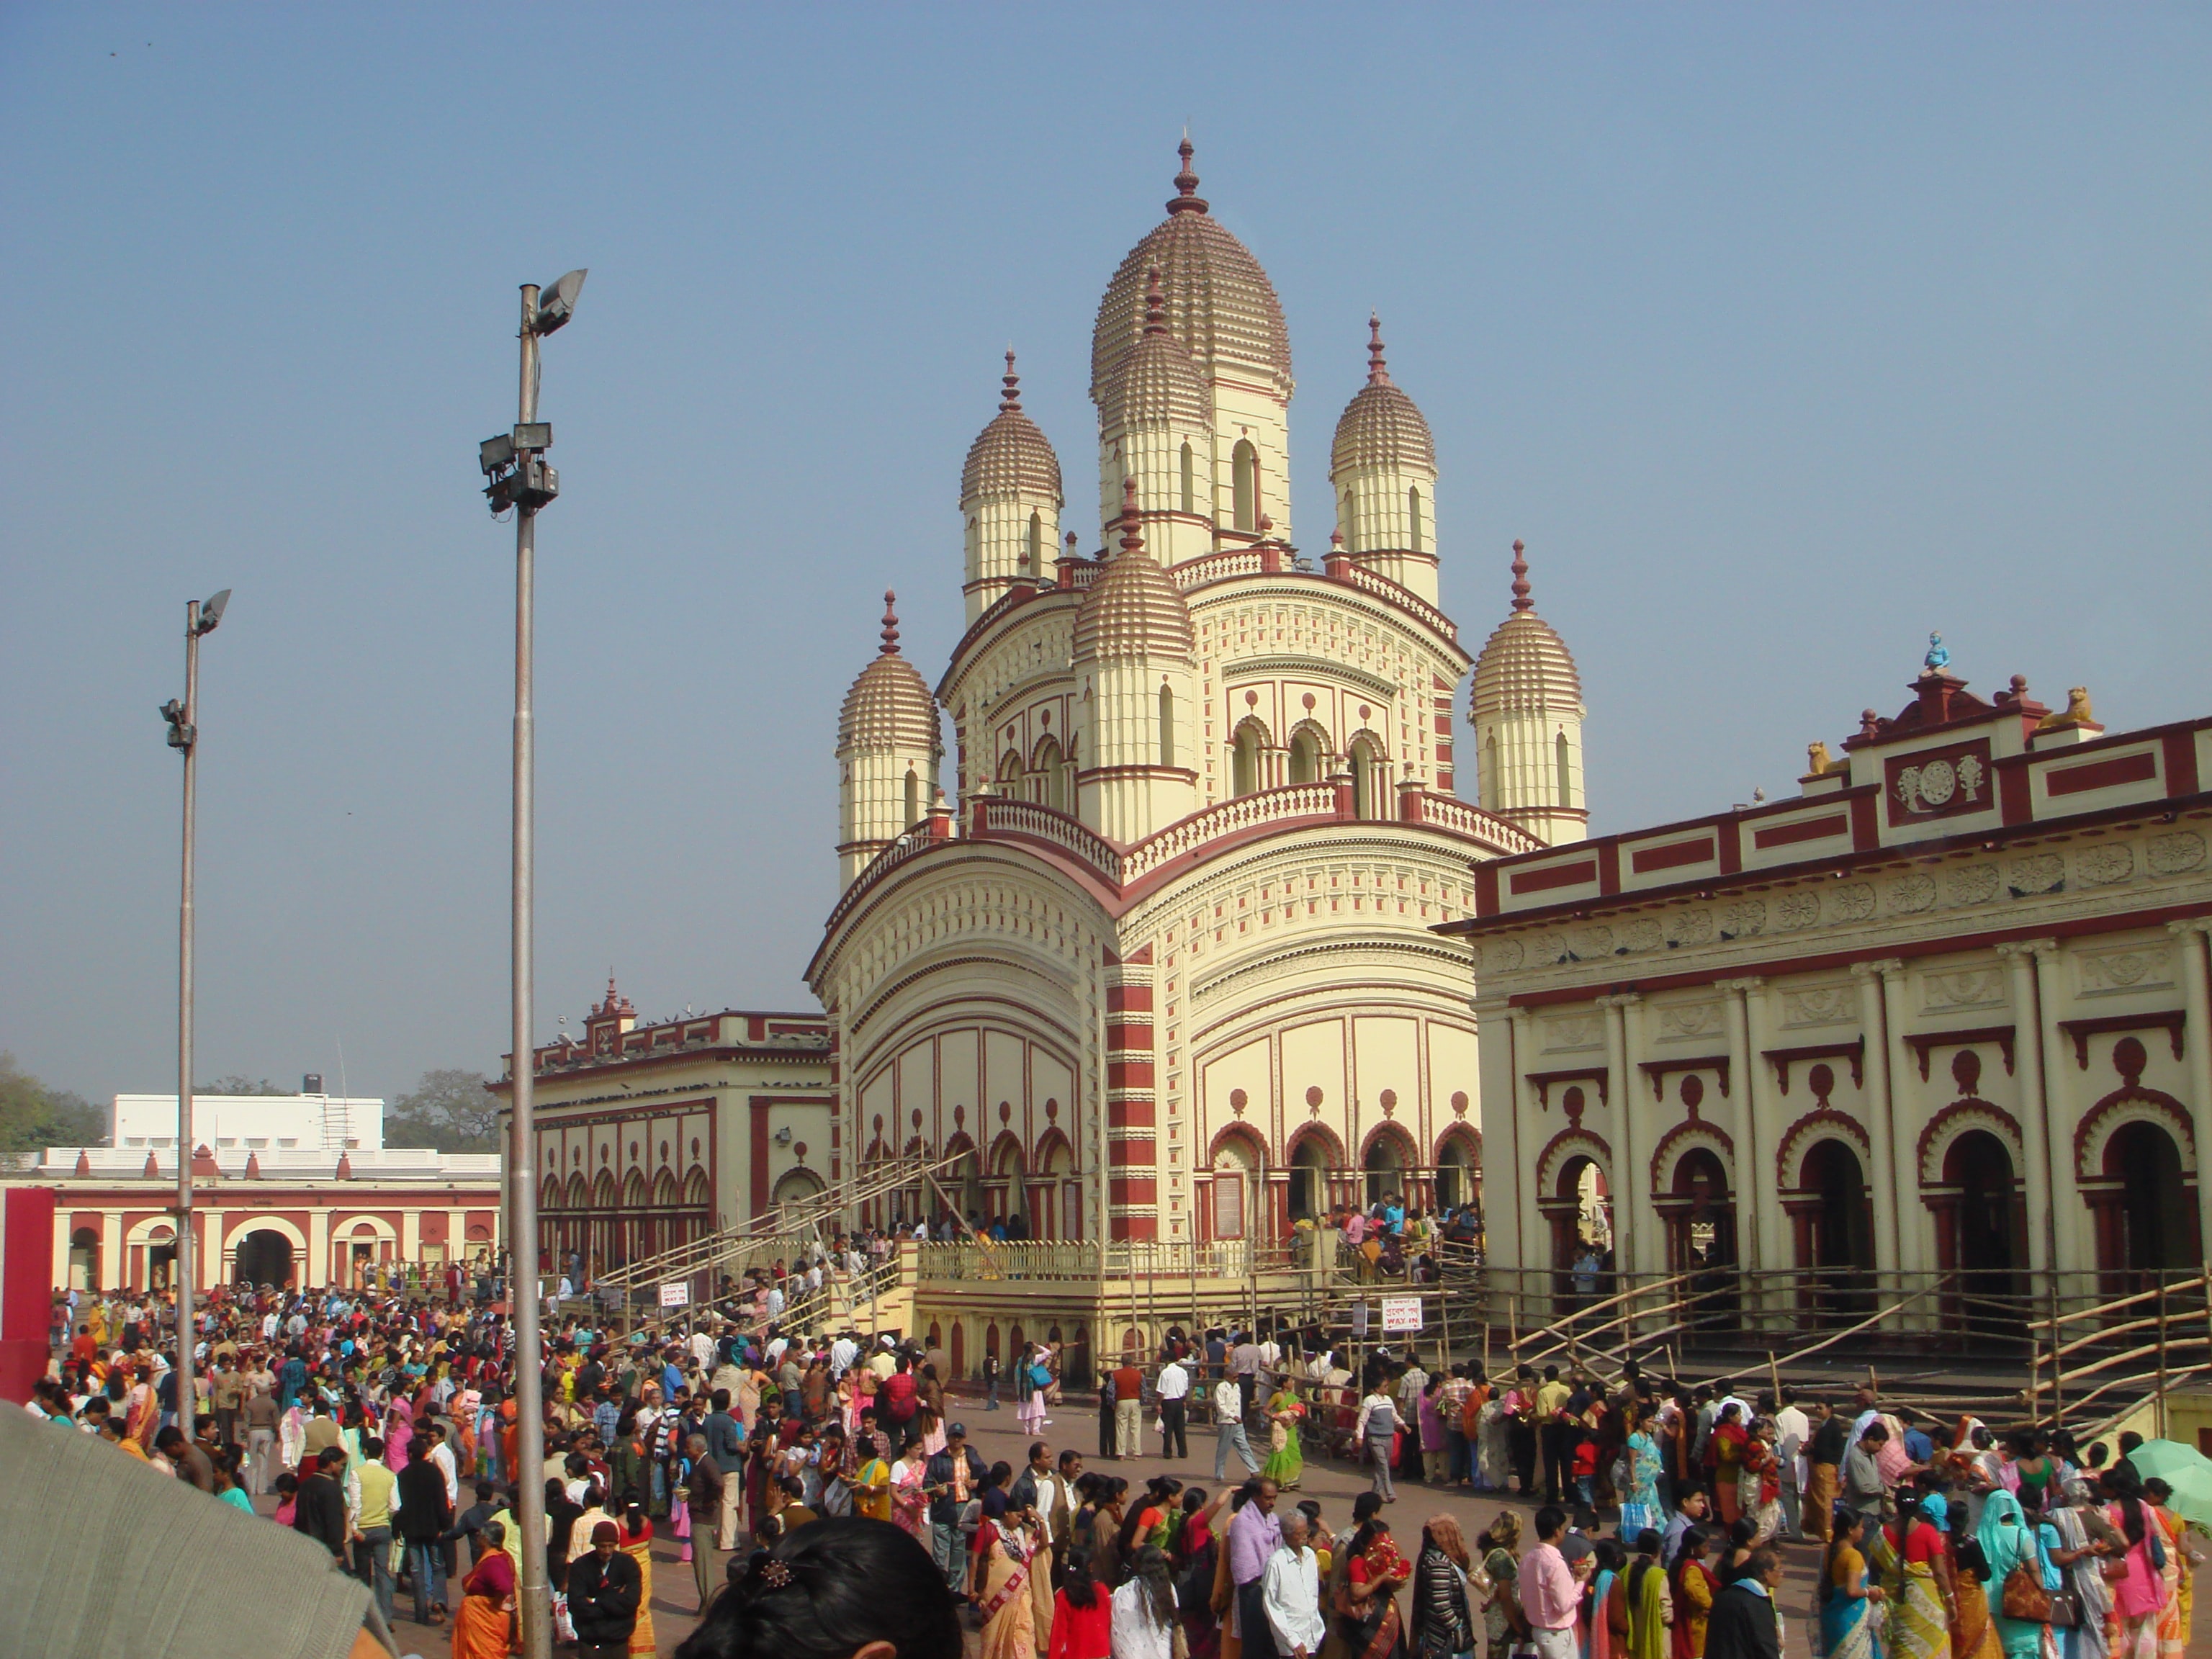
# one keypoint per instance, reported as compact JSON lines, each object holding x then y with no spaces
{"x":2132,"y":967}
{"x":1909,"y":894}
{"x":1977,"y":883}
{"x":1573,"y":1031}
{"x":1965,"y":987}
{"x":1852,"y":901}
{"x":2043,"y":872}
{"x":2101,"y":867}
{"x":1821,"y":1004}
{"x":1642,"y":934}
{"x":1678,"y":1021}
{"x":2171,"y":855}
{"x":1746,"y":918}
{"x":1798,"y":909}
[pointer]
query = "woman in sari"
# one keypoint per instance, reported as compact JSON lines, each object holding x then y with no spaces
{"x":1973,"y":1634}
{"x":633,"y":1538}
{"x":1760,"y":1484}
{"x":909,"y":1502}
{"x":1846,"y":1599}
{"x":1443,"y":1621}
{"x":1640,"y":1609}
{"x":1597,"y":1619}
{"x":1911,"y":1554}
{"x":2008,"y":1540}
{"x":1503,"y":1623}
{"x":1639,"y":1492}
{"x":1003,"y":1548}
{"x":2172,"y":1618}
{"x":1286,"y":1458}
{"x":2079,"y":1557}
{"x":1492,"y":1447}
{"x":1694,"y":1588}
{"x":484,"y":1627}
{"x":143,"y":1416}
{"x":1373,"y":1575}
{"x":1725,"y":1451}
{"x":2140,"y":1595}
{"x":399,"y":1429}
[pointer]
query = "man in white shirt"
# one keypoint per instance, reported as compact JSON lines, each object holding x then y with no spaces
{"x":1290,"y":1590}
{"x":1229,"y":1428}
{"x":842,"y":1353}
{"x":1791,"y":1427}
{"x":1244,"y":1366}
{"x":1172,"y":1389}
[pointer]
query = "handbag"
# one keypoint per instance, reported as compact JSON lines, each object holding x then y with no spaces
{"x":2065,"y":1611}
{"x":2025,"y":1598}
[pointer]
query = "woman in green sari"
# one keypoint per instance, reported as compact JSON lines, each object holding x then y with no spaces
{"x":1846,"y":1596}
{"x":1286,"y":1460}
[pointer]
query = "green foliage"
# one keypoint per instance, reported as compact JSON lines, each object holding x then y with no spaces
{"x":236,"y":1084}
{"x":33,"y":1116}
{"x":450,"y":1109}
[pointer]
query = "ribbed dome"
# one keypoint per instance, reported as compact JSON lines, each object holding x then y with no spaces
{"x":889,"y":706}
{"x":1134,"y":609}
{"x":1380,"y":427}
{"x":1156,"y":382}
{"x":1525,"y":666}
{"x":1011,"y":456}
{"x":1219,"y":301}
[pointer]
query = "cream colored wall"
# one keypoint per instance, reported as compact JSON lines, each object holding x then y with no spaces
{"x":872,"y":801}
{"x":1243,"y":410}
{"x":1374,"y":516}
{"x":2053,"y":1112}
{"x":996,"y":532}
{"x":1520,"y":752}
{"x":1118,"y":725}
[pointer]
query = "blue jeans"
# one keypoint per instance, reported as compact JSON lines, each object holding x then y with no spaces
{"x":372,"y":1564}
{"x":427,"y":1563}
{"x":948,"y":1546}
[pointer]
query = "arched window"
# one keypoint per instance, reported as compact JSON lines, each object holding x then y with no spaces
{"x":1244,"y":758}
{"x":1307,"y":748}
{"x":912,"y":798}
{"x":1566,"y":778}
{"x":1036,"y":543}
{"x":1486,"y":790}
{"x":1413,"y":514}
{"x":1167,"y":726}
{"x":1047,"y":776}
{"x":1344,"y":520}
{"x":975,"y":541}
{"x":1009,"y":775}
{"x":1366,"y":779}
{"x":1189,"y":480}
{"x":1244,"y":472}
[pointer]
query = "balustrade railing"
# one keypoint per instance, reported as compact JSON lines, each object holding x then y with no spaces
{"x":1000,"y":815}
{"x":1296,"y":800}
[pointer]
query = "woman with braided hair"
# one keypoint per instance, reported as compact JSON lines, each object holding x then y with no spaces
{"x":845,"y":1588}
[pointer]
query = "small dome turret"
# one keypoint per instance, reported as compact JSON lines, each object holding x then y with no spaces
{"x":1383,"y":467}
{"x":1010,"y":503}
{"x":887,"y":750}
{"x":1134,"y":609}
{"x":1527,"y":712}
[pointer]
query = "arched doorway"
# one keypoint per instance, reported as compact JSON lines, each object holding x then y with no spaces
{"x":1310,"y":1167}
{"x":794,"y":1188}
{"x":1457,"y":1169}
{"x":1013,"y":1173}
{"x":1698,"y":1210}
{"x":84,"y":1260}
{"x":1981,"y":1235}
{"x":1385,"y":1165}
{"x":2147,"y":1220}
{"x":1833,"y":1218}
{"x":1232,"y":1193}
{"x":1579,"y":1208}
{"x":264,"y":1257}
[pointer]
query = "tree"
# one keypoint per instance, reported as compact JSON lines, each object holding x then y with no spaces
{"x":236,"y":1083}
{"x":451,"y":1110}
{"x":33,"y":1117}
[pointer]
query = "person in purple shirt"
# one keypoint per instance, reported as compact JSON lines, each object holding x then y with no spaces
{"x":1254,"y":1534}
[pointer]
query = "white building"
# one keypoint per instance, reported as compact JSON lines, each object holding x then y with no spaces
{"x":309,"y":1120}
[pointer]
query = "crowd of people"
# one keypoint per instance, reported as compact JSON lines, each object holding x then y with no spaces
{"x":1644,"y":1518}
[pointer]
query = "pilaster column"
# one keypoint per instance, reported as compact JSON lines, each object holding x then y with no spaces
{"x":112,"y":1266}
{"x":2069,"y":1242}
{"x":2192,"y":938}
{"x":1882,"y":1117}
{"x":1629,"y":1196}
{"x":1744,"y":1065}
{"x":1915,"y":1251}
{"x":1530,"y":1236}
{"x":315,"y":1271}
{"x":209,"y":1266}
{"x":2020,"y":957}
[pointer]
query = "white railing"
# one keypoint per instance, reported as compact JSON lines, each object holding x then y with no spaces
{"x":1089,"y":1260}
{"x":1404,"y":598}
{"x":1214,"y":566}
{"x":1296,"y":800}
{"x":914,"y":842}
{"x":1449,"y":812}
{"x":997,"y":815}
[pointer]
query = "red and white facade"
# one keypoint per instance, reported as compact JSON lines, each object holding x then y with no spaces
{"x":652,"y":1135}
{"x":1945,"y":1010}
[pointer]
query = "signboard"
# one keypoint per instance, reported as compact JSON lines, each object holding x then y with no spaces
{"x":1359,"y":1317}
{"x":1401,"y":1313}
{"x":676,"y":1295}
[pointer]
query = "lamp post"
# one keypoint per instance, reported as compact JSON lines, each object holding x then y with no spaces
{"x":520,"y":477}
{"x":200,"y":617}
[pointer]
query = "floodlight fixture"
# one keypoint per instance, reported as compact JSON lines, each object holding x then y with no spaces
{"x":533,"y":435}
{"x":495,"y":453}
{"x":212,"y":611}
{"x":557,"y":302}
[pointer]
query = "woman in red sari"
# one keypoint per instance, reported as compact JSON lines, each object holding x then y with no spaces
{"x":1725,"y":1451}
{"x":484,"y":1627}
{"x":1373,"y":1577}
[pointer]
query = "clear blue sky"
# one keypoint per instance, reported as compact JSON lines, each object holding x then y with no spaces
{"x":1782,"y":335}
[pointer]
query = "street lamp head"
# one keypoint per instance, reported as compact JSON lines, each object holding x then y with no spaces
{"x":557,"y":303}
{"x":212,"y":611}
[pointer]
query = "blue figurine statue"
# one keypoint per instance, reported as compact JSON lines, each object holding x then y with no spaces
{"x":1938,"y":658}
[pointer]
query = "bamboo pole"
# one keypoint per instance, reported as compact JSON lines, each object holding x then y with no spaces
{"x":2159,"y":1410}
{"x":1852,"y":1330}
{"x":2080,"y":1314}
{"x":1774,"y":1378}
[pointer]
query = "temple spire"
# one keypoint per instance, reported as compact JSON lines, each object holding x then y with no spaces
{"x":1378,"y":372}
{"x":1011,"y":399}
{"x":1520,"y":599}
{"x":890,"y":621}
{"x":1185,"y":199}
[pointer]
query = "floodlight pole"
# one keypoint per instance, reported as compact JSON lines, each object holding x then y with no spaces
{"x":182,"y":1270}
{"x":535,"y":1601}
